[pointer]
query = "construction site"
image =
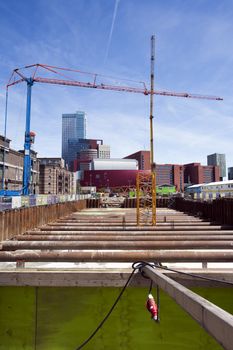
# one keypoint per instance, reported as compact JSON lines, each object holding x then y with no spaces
{"x":125,"y":273}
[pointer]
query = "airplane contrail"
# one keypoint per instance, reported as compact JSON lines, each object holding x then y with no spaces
{"x":111,"y":31}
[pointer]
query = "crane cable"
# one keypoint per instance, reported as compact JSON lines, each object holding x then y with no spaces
{"x":138,"y":266}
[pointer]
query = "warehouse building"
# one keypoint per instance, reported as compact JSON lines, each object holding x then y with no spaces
{"x":55,"y":178}
{"x":11,"y":168}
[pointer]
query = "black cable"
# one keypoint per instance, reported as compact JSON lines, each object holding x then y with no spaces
{"x":194,"y":275}
{"x":109,"y":312}
{"x":150,"y":288}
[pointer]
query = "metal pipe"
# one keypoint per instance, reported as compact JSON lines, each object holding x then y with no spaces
{"x":98,"y":222}
{"x":4,"y":147}
{"x":120,"y":256}
{"x":27,"y":143}
{"x":136,"y":228}
{"x":73,"y":245}
{"x":128,"y":237}
{"x":130,"y":233}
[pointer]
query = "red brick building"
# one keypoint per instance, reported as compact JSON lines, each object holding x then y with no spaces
{"x":170,"y":174}
{"x":166,"y":174}
{"x":143,"y":158}
{"x":195,"y":173}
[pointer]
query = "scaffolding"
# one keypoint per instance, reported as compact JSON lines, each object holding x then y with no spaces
{"x":146,"y":198}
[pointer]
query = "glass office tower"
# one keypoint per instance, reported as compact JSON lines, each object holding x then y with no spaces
{"x":73,"y":128}
{"x":220,"y":160}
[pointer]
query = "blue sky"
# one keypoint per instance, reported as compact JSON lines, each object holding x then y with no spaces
{"x":194,"y":53}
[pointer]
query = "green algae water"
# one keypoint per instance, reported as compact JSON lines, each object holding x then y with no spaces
{"x":62,"y":318}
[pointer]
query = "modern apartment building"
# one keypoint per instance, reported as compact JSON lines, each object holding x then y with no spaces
{"x":218,"y":159}
{"x":54,"y":177}
{"x":73,"y":129}
{"x":11,"y":168}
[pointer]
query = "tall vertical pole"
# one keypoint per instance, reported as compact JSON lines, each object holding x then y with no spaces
{"x":153,"y":175}
{"x":152,"y":101}
{"x":27,"y":144}
{"x":4,"y":147}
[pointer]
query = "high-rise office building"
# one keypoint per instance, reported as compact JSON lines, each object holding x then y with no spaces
{"x":230,"y":173}
{"x":73,"y":129}
{"x":218,"y":159}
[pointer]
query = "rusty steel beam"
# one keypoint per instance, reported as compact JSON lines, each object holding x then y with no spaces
{"x":131,"y":233}
{"x":130,"y":223}
{"x":120,"y":256}
{"x":127,"y":237}
{"x":136,"y":228}
{"x":73,"y":245}
{"x":214,"y":320}
{"x":119,"y":224}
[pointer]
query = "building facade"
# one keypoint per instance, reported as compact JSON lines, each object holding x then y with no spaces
{"x":73,"y":129}
{"x":230,"y":173}
{"x":218,"y":159}
{"x":114,"y":164}
{"x":108,"y":179}
{"x":11,"y":168}
{"x":143,"y":158}
{"x":103,"y":151}
{"x":170,"y":174}
{"x":54,"y":177}
{"x":195,"y":173}
{"x":88,"y":150}
{"x":176,"y":174}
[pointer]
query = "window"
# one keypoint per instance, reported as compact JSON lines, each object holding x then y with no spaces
{"x":1,"y":155}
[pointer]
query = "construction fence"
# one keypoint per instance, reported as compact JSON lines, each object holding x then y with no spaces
{"x":15,"y":202}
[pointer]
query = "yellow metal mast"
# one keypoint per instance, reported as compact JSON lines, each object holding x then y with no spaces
{"x":146,"y":183}
{"x":153,"y":174}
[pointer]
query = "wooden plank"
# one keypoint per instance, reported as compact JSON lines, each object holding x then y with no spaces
{"x":102,"y":276}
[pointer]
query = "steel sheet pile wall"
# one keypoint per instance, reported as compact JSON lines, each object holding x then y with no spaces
{"x":132,"y":202}
{"x":219,"y":210}
{"x":17,"y":221}
{"x":93,"y":203}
